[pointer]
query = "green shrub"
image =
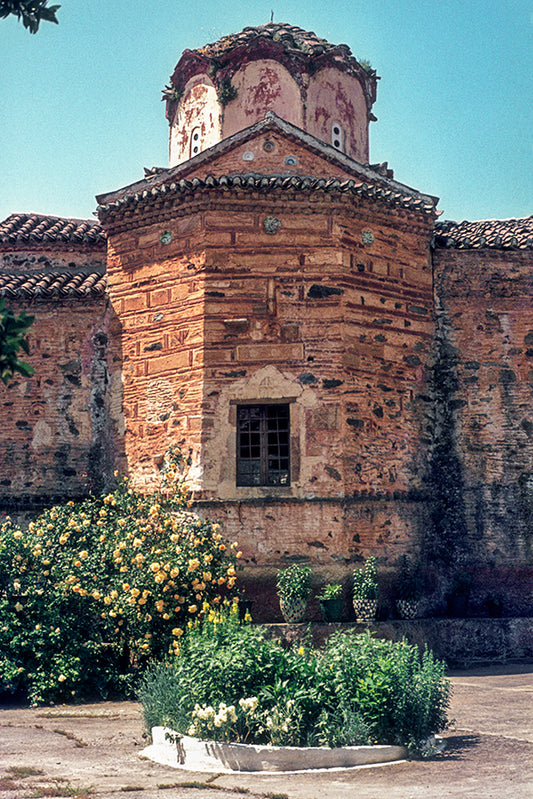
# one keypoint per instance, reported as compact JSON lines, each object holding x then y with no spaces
{"x":93,"y":590}
{"x":365,"y":584}
{"x":230,"y":682}
{"x":294,"y":582}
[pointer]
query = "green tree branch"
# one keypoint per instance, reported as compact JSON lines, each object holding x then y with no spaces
{"x":13,"y":331}
{"x":31,"y":12}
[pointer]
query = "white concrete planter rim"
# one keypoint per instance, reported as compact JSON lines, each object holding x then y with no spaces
{"x":195,"y":755}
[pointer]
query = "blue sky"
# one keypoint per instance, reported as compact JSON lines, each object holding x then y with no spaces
{"x":80,"y":109}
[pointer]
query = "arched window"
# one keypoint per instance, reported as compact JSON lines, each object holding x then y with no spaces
{"x":337,"y":136}
{"x":196,"y":142}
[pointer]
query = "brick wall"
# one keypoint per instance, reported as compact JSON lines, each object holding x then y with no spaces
{"x":60,"y":427}
{"x":320,"y":314}
{"x":484,"y":348}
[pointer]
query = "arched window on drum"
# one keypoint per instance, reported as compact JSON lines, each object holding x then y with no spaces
{"x":196,"y":141}
{"x":337,"y":136}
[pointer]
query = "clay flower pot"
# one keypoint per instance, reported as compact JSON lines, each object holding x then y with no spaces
{"x":365,"y":609}
{"x":293,"y":610}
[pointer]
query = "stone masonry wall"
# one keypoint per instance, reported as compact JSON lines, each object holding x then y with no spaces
{"x":485,"y":344}
{"x":61,"y":427}
{"x":318,"y":315}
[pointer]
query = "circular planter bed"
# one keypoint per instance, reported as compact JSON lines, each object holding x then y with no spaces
{"x":195,"y":755}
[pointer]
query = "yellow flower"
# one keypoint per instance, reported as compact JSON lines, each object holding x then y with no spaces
{"x":231,"y":571}
{"x":193,"y":564}
{"x":301,"y":650}
{"x":177,"y":631}
{"x":96,"y":594}
{"x":238,"y":554}
{"x":77,"y":563}
{"x":83,"y":554}
{"x":17,"y":535}
{"x":160,"y":605}
{"x":135,"y":592}
{"x":154,"y":567}
{"x":107,"y":600}
{"x":125,"y":586}
{"x":192,"y":608}
{"x":62,"y":677}
{"x":18,"y":607}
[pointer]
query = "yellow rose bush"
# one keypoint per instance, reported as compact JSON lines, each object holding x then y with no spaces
{"x":94,"y":590}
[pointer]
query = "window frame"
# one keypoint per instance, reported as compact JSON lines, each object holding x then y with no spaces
{"x":269,"y":477}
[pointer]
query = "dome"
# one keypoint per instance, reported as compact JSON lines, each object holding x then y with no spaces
{"x":228,"y":85}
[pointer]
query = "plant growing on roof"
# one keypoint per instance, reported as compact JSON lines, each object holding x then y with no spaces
{"x":172,"y":93}
{"x":226,"y":91}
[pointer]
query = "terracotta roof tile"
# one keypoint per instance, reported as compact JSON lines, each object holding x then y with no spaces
{"x":53,"y":285}
{"x":292,"y":38}
{"x":501,"y":234}
{"x":268,"y":183}
{"x":42,"y":229}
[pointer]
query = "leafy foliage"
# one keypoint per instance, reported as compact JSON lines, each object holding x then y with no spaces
{"x":331,"y":591}
{"x":365,"y":584}
{"x":226,"y":92}
{"x":230,"y":682}
{"x":294,"y":582}
{"x":408,"y":579}
{"x":13,"y":330}
{"x":31,"y":12}
{"x":93,"y":590}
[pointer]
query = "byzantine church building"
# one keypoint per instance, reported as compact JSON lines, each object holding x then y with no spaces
{"x":345,"y":374}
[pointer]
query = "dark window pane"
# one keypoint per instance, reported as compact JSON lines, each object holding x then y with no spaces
{"x":263,"y":445}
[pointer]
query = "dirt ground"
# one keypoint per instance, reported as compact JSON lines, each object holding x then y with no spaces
{"x":94,"y":751}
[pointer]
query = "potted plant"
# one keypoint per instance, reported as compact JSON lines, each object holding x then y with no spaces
{"x":459,"y":593}
{"x":365,"y":591}
{"x":294,"y":587}
{"x":331,"y":602}
{"x":494,"y":605}
{"x":408,"y":588}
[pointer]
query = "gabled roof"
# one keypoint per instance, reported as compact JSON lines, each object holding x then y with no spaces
{"x":501,"y":234}
{"x":365,"y":180}
{"x":27,"y":229}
